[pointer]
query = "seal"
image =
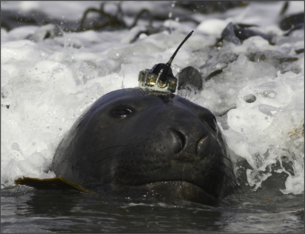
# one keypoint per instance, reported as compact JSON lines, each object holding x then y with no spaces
{"x":145,"y":141}
{"x":138,"y":140}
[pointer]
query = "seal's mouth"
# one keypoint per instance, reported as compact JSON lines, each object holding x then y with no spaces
{"x":180,"y":190}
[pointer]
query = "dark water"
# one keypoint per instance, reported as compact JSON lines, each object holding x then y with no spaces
{"x":29,"y":210}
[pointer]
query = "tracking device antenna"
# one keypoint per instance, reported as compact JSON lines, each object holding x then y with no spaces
{"x":160,"y":77}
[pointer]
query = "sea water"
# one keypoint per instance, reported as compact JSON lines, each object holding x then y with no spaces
{"x":258,"y":103}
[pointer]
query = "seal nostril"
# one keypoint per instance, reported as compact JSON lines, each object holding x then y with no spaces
{"x":202,"y":140}
{"x":201,"y":144}
{"x":180,"y":138}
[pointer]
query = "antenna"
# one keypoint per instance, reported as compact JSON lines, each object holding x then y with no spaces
{"x":168,"y":64}
{"x":160,"y":78}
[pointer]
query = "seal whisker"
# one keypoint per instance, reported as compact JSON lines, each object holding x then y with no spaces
{"x":234,"y":188}
{"x":232,"y":185}
{"x":227,"y":158}
{"x":111,"y":147}
{"x":109,"y":175}
{"x":108,"y":157}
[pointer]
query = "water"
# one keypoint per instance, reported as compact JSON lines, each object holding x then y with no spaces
{"x":67,"y":211}
{"x":258,"y":100}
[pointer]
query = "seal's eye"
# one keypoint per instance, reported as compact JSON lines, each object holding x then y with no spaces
{"x":121,"y":112}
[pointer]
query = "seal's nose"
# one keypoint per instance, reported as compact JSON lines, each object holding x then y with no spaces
{"x":189,"y":136}
{"x":184,"y":129}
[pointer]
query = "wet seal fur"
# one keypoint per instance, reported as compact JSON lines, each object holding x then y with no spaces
{"x":147,"y":142}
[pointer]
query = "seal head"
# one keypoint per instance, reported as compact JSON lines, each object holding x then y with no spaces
{"x":137,"y":140}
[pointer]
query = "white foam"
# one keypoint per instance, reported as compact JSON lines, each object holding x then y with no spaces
{"x":212,"y":26}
